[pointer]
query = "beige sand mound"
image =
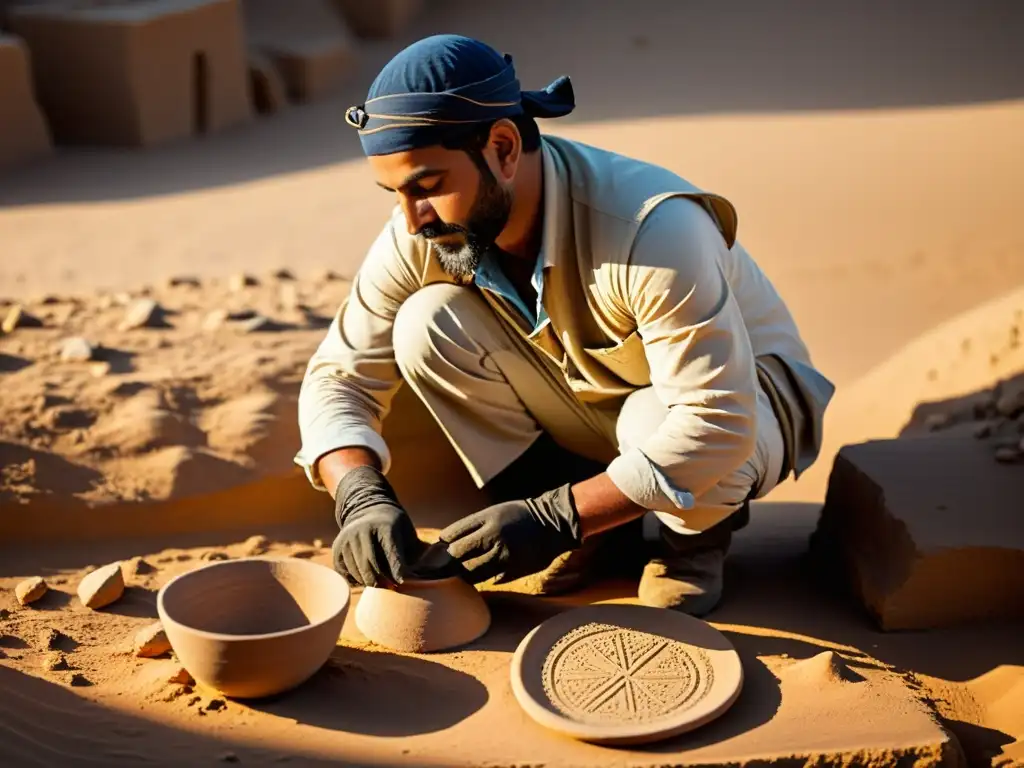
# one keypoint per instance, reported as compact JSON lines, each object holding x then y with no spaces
{"x":185,"y":404}
{"x":940,"y":372}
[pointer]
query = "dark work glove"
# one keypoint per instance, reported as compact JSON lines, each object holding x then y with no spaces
{"x":515,"y":538}
{"x":377,"y":544}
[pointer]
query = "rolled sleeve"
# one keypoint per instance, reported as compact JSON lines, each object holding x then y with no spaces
{"x":645,"y":484}
{"x":700,"y":359}
{"x":352,"y":377}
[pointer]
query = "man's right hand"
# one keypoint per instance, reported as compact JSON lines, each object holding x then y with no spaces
{"x":377,"y":544}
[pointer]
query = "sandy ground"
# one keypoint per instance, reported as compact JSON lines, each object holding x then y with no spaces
{"x":879,"y":193}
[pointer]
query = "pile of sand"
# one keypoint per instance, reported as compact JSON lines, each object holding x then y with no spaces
{"x":170,"y":392}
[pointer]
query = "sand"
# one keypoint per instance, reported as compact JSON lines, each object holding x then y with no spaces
{"x":875,"y":190}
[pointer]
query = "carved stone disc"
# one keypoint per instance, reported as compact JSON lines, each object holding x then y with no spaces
{"x":625,"y":673}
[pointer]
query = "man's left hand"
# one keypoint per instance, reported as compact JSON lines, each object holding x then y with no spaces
{"x":515,"y":538}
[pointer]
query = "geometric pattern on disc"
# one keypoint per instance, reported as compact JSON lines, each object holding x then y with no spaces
{"x":599,"y":673}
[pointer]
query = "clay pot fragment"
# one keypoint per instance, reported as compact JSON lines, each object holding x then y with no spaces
{"x":437,"y":611}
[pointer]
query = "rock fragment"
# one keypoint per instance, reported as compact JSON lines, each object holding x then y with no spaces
{"x":138,"y":566}
{"x":1007,"y":454}
{"x":30,"y":590}
{"x":19,"y":317}
{"x":305,"y":554}
{"x":283,"y":274}
{"x":258,"y":323}
{"x":255,"y":545}
{"x":151,"y":641}
{"x":76,"y":350}
{"x":215,"y":704}
{"x":56,"y":662}
{"x":213,"y":555}
{"x":102,"y":587}
{"x":78,"y":680}
{"x":1008,"y":405}
{"x":327,"y":276}
{"x":241,"y":281}
{"x":937,"y":421}
{"x":181,"y":677}
{"x":54,"y":640}
{"x":186,"y":281}
{"x":143,"y":313}
{"x":70,"y":418}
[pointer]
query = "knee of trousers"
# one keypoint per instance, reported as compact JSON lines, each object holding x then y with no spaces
{"x":433,"y":317}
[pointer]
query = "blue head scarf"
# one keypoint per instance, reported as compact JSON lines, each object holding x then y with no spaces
{"x":443,"y":86}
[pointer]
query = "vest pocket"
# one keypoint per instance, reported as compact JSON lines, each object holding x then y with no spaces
{"x":625,"y":360}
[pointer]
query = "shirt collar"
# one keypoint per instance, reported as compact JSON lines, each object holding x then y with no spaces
{"x":556,"y":207}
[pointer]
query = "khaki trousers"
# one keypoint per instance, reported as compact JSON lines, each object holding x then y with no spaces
{"x":493,"y":393}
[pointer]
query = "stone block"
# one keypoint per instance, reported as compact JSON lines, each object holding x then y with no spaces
{"x":268,"y":91}
{"x":24,"y":133}
{"x":139,"y":73}
{"x":308,"y":41}
{"x":925,"y":531}
{"x":379,"y":19}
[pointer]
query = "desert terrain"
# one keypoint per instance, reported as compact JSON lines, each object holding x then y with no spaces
{"x":163,"y":304}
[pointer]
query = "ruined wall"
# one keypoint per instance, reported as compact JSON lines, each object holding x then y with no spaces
{"x":140,"y":73}
{"x":190,"y":73}
{"x":307,"y":40}
{"x":24,"y":134}
{"x":379,"y":18}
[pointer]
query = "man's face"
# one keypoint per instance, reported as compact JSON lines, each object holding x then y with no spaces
{"x":458,"y":205}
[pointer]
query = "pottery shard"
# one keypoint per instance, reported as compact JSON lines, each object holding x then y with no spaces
{"x":925,"y":532}
{"x":102,"y":587}
{"x":19,"y":317}
{"x":152,"y":641}
{"x":76,"y":350}
{"x":143,"y":313}
{"x":30,"y":590}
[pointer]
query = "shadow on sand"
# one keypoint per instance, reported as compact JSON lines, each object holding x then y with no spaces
{"x":380,"y":694}
{"x":92,"y":734}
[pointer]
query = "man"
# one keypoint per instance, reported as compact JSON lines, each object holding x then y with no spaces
{"x":607,"y":360}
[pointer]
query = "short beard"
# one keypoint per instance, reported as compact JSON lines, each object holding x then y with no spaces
{"x":486,"y":221}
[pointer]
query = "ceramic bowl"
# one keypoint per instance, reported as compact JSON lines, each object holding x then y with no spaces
{"x":423,"y":615}
{"x":255,"y":626}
